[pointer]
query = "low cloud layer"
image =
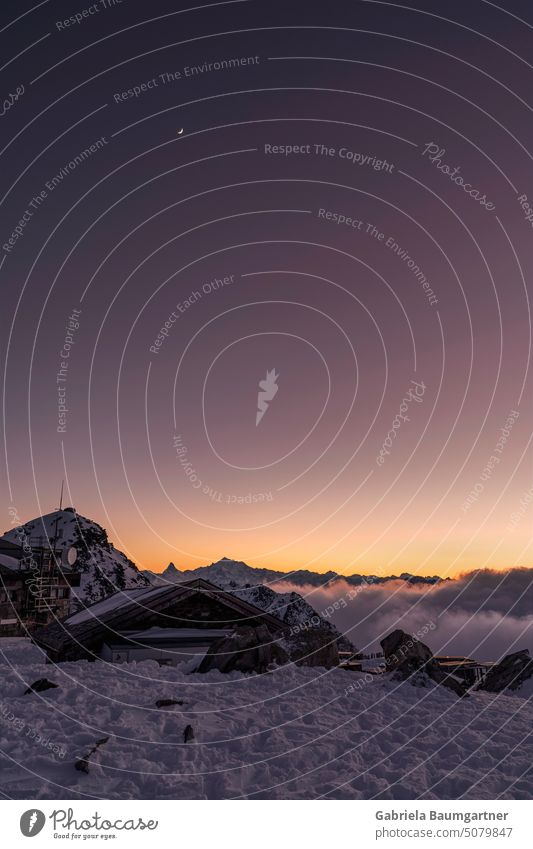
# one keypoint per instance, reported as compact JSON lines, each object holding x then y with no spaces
{"x":483,"y":614}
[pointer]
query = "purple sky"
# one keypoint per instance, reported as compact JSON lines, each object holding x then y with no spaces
{"x":351,"y":466}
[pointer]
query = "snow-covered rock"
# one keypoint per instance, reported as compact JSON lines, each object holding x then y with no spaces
{"x":510,"y":673}
{"x":291,"y":608}
{"x":308,"y":629}
{"x":104,"y":568}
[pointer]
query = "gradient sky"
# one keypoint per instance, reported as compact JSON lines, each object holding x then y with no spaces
{"x":152,"y":216}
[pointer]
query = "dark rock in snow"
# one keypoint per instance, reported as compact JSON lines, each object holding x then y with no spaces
{"x":188,"y":734}
{"x":167,"y":702}
{"x":248,"y":649}
{"x":408,"y":658}
{"x":404,"y":653}
{"x":40,"y":686}
{"x":251,"y":649}
{"x":510,"y":673}
{"x":82,"y":764}
{"x":313,"y":647}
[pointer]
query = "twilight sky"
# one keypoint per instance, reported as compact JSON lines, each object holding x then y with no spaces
{"x":346,"y":205}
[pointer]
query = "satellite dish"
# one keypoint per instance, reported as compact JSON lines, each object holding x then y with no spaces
{"x":70,"y":555}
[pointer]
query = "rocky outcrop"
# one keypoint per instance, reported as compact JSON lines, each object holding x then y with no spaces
{"x":313,"y":647}
{"x":295,"y":612}
{"x":404,"y":653}
{"x":408,"y":658}
{"x":257,"y":650}
{"x":248,"y":649}
{"x":509,"y":674}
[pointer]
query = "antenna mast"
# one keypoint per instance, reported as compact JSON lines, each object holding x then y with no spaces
{"x":54,"y":540}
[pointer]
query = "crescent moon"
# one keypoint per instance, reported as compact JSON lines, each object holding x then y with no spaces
{"x":180,"y":131}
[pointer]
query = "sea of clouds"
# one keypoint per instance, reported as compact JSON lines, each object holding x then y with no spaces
{"x":483,"y":614}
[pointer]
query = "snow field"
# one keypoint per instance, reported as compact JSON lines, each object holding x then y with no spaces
{"x":295,"y":733}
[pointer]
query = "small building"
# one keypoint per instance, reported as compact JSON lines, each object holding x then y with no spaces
{"x":468,"y":671}
{"x":34,"y":588}
{"x":172,"y":624}
{"x":350,"y":661}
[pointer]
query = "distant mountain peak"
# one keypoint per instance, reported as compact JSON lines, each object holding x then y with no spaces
{"x":227,"y":561}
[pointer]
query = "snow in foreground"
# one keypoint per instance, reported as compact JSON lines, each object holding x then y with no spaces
{"x":296,"y":733}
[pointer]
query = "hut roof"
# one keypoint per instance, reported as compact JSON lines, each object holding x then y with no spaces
{"x":124,"y":610}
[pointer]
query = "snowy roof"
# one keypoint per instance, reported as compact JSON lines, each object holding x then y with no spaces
{"x":122,"y":598}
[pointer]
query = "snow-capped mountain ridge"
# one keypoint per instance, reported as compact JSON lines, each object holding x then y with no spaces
{"x":232,"y":574}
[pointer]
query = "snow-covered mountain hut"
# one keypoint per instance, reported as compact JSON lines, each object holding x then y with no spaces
{"x":170,"y":624}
